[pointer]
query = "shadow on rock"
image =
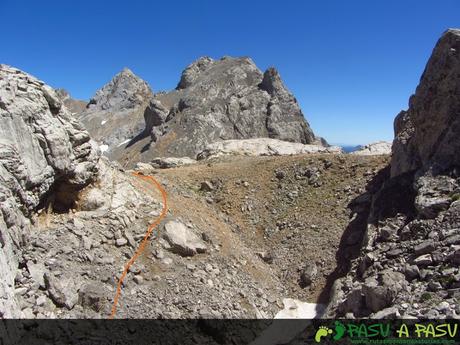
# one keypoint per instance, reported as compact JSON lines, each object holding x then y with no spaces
{"x":353,"y":236}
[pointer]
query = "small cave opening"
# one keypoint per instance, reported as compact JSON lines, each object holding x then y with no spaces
{"x":61,"y":197}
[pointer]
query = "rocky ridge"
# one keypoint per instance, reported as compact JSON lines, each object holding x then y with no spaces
{"x":228,"y":98}
{"x":408,"y":265}
{"x":262,"y":147}
{"x":215,"y":100}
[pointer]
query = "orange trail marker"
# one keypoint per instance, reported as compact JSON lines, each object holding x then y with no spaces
{"x":142,"y":245}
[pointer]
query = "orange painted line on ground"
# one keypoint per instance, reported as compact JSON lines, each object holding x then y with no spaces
{"x":144,"y":241}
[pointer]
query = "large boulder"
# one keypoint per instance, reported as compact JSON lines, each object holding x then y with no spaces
{"x":172,"y":162}
{"x":45,"y":156}
{"x":62,"y":290}
{"x":182,"y":240}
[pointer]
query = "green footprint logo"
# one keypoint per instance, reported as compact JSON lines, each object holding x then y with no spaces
{"x":321,"y":332}
{"x":339,"y":330}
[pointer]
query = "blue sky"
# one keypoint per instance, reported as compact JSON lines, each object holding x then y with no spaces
{"x":351,"y":64}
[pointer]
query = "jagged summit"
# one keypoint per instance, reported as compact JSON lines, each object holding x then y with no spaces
{"x":272,"y":82}
{"x":215,"y":99}
{"x":126,"y":90}
{"x":193,"y":70}
{"x":228,"y":98}
{"x":114,"y":115}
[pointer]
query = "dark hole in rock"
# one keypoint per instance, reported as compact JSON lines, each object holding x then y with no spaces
{"x":61,"y":197}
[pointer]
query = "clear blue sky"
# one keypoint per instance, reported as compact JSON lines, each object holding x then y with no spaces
{"x":351,"y":64}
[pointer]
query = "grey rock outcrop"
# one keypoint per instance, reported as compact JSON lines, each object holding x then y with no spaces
{"x":115,"y":114}
{"x":377,"y":148}
{"x":262,"y":147}
{"x":230,"y":98}
{"x":409,"y":259}
{"x":218,"y":100}
{"x":45,"y":157}
{"x":426,"y":135}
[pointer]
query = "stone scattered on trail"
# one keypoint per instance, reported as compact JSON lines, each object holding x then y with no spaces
{"x":206,"y":186}
{"x":92,"y":296}
{"x":171,"y":162}
{"x":93,"y":200}
{"x":182,"y":240}
{"x":267,"y":257}
{"x":121,"y":242}
{"x":308,"y":274}
{"x":63,"y":291}
{"x":37,"y":272}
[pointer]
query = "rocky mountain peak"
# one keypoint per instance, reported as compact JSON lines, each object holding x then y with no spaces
{"x":426,"y":135}
{"x":193,"y":71}
{"x":115,"y":113}
{"x":224,"y":99}
{"x":272,"y":82}
{"x":125,"y":91}
{"x":215,"y":100}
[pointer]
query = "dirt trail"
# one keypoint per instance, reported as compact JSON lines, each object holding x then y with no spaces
{"x":142,"y":245}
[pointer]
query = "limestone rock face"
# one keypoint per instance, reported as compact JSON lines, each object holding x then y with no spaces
{"x":115,"y":113}
{"x":262,"y":147}
{"x":411,"y":230}
{"x":42,"y":149}
{"x":377,"y":148}
{"x":426,"y":135}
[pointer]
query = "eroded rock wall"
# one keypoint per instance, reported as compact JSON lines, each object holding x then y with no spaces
{"x":45,"y":155}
